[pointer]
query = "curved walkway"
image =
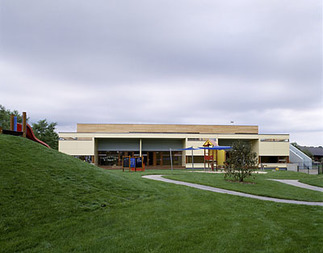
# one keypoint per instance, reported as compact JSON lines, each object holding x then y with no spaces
{"x":299,"y":184}
{"x":219,"y":190}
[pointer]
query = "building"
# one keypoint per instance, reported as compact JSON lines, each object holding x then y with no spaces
{"x":315,"y":152}
{"x":106,"y":144}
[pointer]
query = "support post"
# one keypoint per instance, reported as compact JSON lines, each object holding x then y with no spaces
{"x":216,"y":159}
{"x":11,"y":122}
{"x":140,"y":147}
{"x":96,"y":153}
{"x":171,"y":159}
{"x":192,"y":160}
{"x":204,"y":159}
{"x":24,"y":124}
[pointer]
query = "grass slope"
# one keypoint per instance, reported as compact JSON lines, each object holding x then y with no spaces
{"x":50,"y":202}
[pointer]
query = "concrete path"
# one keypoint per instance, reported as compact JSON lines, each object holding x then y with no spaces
{"x":298,"y":184}
{"x":219,"y":190}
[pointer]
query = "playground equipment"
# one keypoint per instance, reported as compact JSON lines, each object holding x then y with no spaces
{"x":214,"y":155}
{"x":133,"y":163}
{"x":209,"y":155}
{"x":22,"y":129}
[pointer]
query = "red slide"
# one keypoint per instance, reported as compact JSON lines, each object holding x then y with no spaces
{"x":31,"y":135}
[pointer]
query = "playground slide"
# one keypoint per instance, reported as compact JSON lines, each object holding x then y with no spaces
{"x":31,"y":135}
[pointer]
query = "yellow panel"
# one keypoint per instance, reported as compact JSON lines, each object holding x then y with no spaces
{"x":221,"y":157}
{"x":209,"y":143}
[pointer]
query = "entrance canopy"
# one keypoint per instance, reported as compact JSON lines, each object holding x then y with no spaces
{"x":216,"y":148}
{"x":190,"y":148}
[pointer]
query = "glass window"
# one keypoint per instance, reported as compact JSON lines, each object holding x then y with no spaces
{"x":75,"y":139}
{"x":177,"y":158}
{"x":85,"y":158}
{"x":166,"y":158}
{"x":197,"y":159}
{"x":273,"y":159}
{"x":274,"y":140}
{"x":109,"y":158}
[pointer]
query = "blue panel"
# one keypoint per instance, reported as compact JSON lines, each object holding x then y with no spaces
{"x":15,"y":123}
{"x":132,"y":162}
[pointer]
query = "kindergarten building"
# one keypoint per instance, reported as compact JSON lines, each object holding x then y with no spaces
{"x":107,"y":144}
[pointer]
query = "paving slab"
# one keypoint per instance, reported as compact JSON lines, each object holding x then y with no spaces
{"x":235,"y":193}
{"x":222,"y":171}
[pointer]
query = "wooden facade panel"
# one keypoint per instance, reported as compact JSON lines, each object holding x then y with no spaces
{"x":164,"y":128}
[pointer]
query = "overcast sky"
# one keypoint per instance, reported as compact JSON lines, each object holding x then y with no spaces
{"x":151,"y":61}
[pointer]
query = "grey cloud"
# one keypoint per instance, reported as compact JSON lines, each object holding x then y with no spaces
{"x":164,"y":61}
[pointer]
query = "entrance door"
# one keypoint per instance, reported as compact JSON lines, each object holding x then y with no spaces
{"x":150,"y":158}
{"x":154,"y":158}
{"x":158,"y":158}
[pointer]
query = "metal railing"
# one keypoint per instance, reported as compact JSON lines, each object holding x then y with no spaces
{"x":318,"y":166}
{"x":313,"y":168}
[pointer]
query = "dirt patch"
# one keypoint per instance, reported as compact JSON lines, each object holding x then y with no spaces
{"x":243,"y":182}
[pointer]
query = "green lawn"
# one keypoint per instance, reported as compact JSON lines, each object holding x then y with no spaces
{"x":260,"y":185}
{"x":315,"y":180}
{"x":50,"y":202}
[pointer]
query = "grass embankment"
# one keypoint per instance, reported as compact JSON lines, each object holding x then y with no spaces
{"x":50,"y":202}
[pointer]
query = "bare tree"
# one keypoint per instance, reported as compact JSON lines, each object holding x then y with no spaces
{"x":242,"y":161}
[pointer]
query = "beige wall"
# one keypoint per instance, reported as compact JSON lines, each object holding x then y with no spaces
{"x":77,"y":147}
{"x":278,"y":147}
{"x":76,"y":144}
{"x":255,"y":146}
{"x":274,"y":165}
{"x":164,"y":128}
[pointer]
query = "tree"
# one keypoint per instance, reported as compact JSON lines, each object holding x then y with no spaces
{"x":308,"y":153}
{"x":303,"y":149}
{"x":241,"y":162}
{"x":5,"y":115}
{"x":46,"y":132}
{"x":42,"y":129}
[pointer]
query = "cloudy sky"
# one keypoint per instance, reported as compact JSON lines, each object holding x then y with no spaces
{"x":164,"y":61}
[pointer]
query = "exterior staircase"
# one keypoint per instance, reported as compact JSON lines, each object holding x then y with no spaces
{"x":296,"y":156}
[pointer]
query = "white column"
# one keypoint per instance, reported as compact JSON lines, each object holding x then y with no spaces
{"x":140,"y":147}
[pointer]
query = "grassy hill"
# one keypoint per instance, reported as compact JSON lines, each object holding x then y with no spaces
{"x":44,"y":192}
{"x":51,"y":202}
